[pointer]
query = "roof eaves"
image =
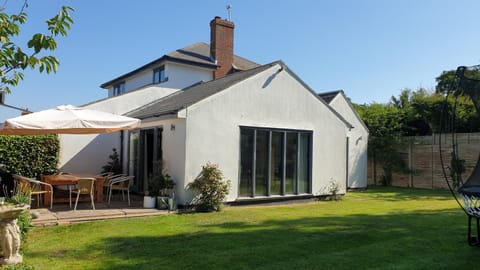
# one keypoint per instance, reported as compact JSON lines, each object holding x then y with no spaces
{"x":354,"y":111}
{"x":189,"y":62}
{"x":126,"y":75}
{"x":221,"y":87}
{"x":164,"y":58}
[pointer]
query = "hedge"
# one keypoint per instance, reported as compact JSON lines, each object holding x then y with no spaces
{"x":30,"y":156}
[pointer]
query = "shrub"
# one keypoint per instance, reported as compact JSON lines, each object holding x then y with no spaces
{"x":24,"y":223}
{"x":209,"y":188}
{"x":333,"y":188}
{"x":30,"y":156}
{"x":113,"y":165}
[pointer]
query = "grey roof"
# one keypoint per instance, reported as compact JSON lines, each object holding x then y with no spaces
{"x":329,"y":96}
{"x":181,"y":99}
{"x":197,"y":54}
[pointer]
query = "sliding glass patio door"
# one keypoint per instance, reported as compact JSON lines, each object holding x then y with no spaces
{"x":145,"y":152}
{"x":274,"y":162}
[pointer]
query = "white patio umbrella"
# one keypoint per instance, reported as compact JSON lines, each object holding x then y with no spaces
{"x":67,"y":119}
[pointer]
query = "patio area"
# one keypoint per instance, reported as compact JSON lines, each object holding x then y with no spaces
{"x":62,"y":214}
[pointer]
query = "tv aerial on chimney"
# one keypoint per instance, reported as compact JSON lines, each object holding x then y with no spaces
{"x":229,"y":12}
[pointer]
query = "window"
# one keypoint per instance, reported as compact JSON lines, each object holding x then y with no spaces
{"x":159,"y":75}
{"x":246,"y":162}
{"x":261,"y":162}
{"x":274,"y":162}
{"x":119,"y":89}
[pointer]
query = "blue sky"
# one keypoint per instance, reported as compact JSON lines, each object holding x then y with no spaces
{"x":372,"y":49}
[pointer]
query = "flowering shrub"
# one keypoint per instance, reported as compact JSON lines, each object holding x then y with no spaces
{"x":209,"y":188}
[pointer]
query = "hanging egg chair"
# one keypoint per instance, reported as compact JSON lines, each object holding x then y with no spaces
{"x":467,"y":84}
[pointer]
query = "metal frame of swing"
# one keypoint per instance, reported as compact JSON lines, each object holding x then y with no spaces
{"x":469,"y":195}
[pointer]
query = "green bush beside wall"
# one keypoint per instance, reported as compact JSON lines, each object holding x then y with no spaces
{"x":30,"y":156}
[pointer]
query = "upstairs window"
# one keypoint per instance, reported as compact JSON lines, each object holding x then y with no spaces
{"x":119,"y":89}
{"x":159,"y":75}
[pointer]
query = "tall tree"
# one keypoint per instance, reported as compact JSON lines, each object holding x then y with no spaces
{"x":445,"y":82}
{"x":14,"y":58}
{"x":385,"y":123}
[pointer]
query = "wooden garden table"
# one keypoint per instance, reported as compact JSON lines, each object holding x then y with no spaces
{"x":72,"y":179}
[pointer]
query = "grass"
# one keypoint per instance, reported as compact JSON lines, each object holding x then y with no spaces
{"x":382,"y":228}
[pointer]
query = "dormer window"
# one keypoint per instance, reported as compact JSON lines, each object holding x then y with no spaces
{"x":159,"y":75}
{"x":119,"y":89}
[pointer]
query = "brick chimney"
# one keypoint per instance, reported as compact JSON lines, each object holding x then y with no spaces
{"x":221,"y":46}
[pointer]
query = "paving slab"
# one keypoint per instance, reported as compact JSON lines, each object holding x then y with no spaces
{"x":62,"y":214}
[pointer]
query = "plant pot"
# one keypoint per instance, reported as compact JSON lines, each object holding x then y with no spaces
{"x":162,"y":202}
{"x":148,"y":202}
{"x":172,"y":204}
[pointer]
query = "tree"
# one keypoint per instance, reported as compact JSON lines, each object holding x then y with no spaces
{"x":448,"y":81}
{"x":445,"y":82}
{"x":14,"y":58}
{"x":113,"y":165}
{"x":423,"y":111}
{"x":385,"y":125}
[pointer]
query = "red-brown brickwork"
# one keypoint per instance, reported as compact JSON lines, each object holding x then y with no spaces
{"x":221,"y":46}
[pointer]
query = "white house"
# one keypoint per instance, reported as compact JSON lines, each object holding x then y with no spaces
{"x":270,"y":134}
{"x":357,"y":138}
{"x":173,"y":71}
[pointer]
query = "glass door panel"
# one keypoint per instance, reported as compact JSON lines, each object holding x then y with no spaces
{"x":261,"y":163}
{"x":133,"y":145}
{"x":276,"y":163}
{"x":246,"y":162}
{"x":304,"y":163}
{"x":291,"y":163}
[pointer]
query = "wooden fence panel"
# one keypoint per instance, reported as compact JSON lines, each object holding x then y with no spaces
{"x":422,"y":154}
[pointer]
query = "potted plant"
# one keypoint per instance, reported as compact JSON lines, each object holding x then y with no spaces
{"x":113,"y":165}
{"x":152,"y":192}
{"x":166,"y":185}
{"x":159,"y":187}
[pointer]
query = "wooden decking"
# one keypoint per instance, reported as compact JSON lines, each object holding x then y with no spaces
{"x":62,"y":214}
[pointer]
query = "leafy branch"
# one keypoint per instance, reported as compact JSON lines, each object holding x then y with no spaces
{"x":14,"y":58}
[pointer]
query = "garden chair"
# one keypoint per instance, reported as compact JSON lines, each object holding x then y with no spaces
{"x":108,"y":179}
{"x":84,"y":187}
{"x":33,"y":187}
{"x":121,"y":184}
{"x":105,"y":174}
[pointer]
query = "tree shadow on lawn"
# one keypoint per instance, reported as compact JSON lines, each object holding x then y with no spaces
{"x":418,"y":240}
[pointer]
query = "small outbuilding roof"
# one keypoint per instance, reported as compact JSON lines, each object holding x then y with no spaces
{"x":329,"y":96}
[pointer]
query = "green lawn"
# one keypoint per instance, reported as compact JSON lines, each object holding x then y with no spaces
{"x":382,"y":228}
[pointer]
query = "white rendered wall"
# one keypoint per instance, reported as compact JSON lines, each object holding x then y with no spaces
{"x":358,"y":142}
{"x":265,"y":100}
{"x":88,"y":153}
{"x":179,"y":76}
{"x":139,"y":80}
